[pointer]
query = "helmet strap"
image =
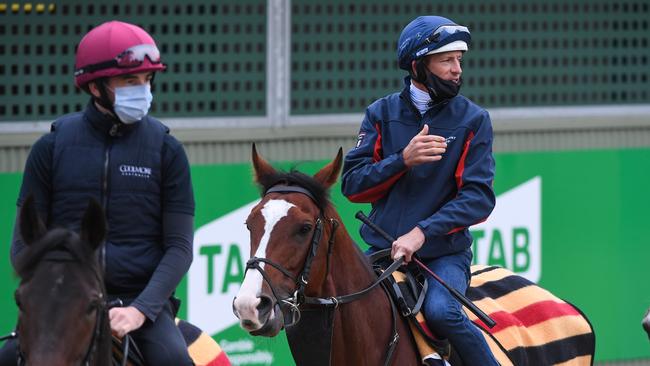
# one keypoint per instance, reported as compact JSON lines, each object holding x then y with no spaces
{"x":103,"y":99}
{"x":439,"y":89}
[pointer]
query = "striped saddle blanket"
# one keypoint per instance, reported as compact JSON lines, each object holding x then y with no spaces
{"x":534,"y":327}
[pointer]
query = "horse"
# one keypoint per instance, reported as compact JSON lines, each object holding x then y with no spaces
{"x":63,"y":319}
{"x":306,"y":275}
{"x":297,"y":232}
{"x":62,"y":301}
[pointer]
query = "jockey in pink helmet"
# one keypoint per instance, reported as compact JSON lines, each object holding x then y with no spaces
{"x":115,"y":48}
{"x":112,"y":49}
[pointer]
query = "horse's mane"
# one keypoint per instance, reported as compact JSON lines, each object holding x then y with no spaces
{"x":296,"y":178}
{"x":64,"y":242}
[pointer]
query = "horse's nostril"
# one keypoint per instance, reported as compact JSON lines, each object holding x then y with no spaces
{"x":265,"y":306}
{"x":247,"y":323}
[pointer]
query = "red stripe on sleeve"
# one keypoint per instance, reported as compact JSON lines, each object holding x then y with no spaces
{"x":377,"y":192}
{"x":529,"y":315}
{"x":377,"y":151}
{"x":460,"y":168}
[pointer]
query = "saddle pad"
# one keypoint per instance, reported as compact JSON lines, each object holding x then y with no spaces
{"x":203,"y":350}
{"x":534,"y":327}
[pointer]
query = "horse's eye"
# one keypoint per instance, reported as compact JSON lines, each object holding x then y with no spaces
{"x":305,"y":229}
{"x":92,"y":306}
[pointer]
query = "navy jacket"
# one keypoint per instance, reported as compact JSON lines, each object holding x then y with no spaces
{"x":141,"y":176}
{"x":443,"y":198}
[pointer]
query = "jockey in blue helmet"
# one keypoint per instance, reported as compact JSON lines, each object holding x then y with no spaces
{"x":427,"y":35}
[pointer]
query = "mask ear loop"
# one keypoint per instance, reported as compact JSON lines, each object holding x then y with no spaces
{"x":420,"y":74}
{"x":422,"y":77}
{"x":103,"y":99}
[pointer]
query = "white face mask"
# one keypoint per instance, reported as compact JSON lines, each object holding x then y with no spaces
{"x":132,"y":102}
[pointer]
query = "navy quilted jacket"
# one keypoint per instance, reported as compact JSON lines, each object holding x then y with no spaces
{"x":141,"y":176}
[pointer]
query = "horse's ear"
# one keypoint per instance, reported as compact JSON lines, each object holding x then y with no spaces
{"x":93,"y":224}
{"x":330,"y":172}
{"x":261,"y":166}
{"x":31,"y":225}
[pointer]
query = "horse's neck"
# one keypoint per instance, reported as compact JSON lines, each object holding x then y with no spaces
{"x":349,"y":270}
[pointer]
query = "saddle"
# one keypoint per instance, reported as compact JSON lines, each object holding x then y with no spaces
{"x":407,"y":289}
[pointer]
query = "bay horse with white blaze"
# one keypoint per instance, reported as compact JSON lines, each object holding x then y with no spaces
{"x":306,"y":275}
{"x":293,"y":212}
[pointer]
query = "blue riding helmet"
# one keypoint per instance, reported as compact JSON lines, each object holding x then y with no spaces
{"x":430,"y":34}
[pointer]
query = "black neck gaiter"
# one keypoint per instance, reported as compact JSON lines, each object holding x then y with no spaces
{"x":439,"y":89}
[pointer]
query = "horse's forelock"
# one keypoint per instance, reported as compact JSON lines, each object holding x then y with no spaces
{"x":56,"y":239}
{"x":296,"y":178}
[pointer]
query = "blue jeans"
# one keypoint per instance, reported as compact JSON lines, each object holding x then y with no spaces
{"x":444,"y":314}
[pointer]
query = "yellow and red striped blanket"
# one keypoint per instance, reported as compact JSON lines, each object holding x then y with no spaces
{"x":203,"y":350}
{"x":534,"y":327}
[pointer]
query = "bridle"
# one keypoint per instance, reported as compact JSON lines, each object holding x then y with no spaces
{"x":290,"y":306}
{"x":292,"y":303}
{"x":99,"y":304}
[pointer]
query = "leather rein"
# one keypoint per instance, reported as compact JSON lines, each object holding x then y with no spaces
{"x":290,"y":306}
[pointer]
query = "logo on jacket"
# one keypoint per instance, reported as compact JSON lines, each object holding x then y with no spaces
{"x":449,"y":139}
{"x":360,"y":138}
{"x":135,"y":171}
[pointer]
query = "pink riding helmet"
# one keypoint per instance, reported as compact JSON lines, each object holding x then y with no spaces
{"x":115,"y":48}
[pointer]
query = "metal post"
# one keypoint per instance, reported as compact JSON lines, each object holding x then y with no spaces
{"x":278,"y":61}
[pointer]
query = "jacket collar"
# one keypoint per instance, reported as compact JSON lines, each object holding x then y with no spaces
{"x":106,"y":124}
{"x":405,"y":95}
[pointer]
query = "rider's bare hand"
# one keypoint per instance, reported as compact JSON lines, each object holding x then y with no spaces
{"x":125,"y":320}
{"x":424,"y":148}
{"x":408,"y":244}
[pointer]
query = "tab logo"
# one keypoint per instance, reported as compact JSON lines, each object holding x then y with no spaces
{"x":512,"y":236}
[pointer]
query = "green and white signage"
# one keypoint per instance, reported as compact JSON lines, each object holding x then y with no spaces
{"x":511,"y":236}
{"x":575,"y":222}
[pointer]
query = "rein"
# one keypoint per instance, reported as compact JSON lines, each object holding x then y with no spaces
{"x":293,"y":303}
{"x":100,"y":306}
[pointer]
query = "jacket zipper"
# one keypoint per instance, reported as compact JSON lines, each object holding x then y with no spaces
{"x":107,"y":154}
